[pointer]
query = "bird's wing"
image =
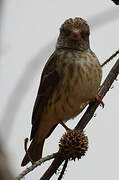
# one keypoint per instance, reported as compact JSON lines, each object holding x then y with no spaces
{"x":49,"y":81}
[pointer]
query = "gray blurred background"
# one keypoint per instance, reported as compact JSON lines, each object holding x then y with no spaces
{"x":29,"y":31}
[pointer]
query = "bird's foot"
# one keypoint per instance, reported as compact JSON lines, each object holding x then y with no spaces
{"x":67,"y":129}
{"x":98,"y":98}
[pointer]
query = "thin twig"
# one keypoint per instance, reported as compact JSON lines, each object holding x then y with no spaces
{"x":37,"y":163}
{"x":63,"y":169}
{"x":86,"y":117}
{"x":111,"y":57}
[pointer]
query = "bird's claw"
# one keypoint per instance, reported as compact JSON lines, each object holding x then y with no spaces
{"x":98,"y":98}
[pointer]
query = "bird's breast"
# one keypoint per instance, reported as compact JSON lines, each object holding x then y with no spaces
{"x":79,"y":85}
{"x":82,"y":78}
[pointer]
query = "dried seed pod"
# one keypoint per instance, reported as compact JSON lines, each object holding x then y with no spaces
{"x":73,"y":144}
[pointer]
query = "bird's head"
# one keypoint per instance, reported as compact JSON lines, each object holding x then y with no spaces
{"x":74,"y":33}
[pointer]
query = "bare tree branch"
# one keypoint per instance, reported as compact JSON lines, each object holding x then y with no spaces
{"x":53,"y":168}
{"x":111,"y":57}
{"x":37,"y":163}
{"x":63,"y":169}
{"x":86,"y":117}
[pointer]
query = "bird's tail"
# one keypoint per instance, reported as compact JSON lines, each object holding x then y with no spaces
{"x":34,"y":151}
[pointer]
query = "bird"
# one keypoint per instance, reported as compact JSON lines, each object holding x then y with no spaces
{"x":69,"y":82}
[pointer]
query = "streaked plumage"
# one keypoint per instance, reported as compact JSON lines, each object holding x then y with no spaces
{"x":69,"y":81}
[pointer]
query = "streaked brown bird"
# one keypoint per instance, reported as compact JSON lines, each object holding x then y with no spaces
{"x":70,"y":80}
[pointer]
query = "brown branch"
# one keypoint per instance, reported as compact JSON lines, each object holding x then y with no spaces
{"x":63,"y":169}
{"x":111,"y":57}
{"x":86,"y":117}
{"x":53,"y":168}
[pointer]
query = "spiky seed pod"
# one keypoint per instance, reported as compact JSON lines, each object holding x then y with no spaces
{"x":73,"y":144}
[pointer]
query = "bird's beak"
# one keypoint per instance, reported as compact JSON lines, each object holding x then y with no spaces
{"x":75,"y":35}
